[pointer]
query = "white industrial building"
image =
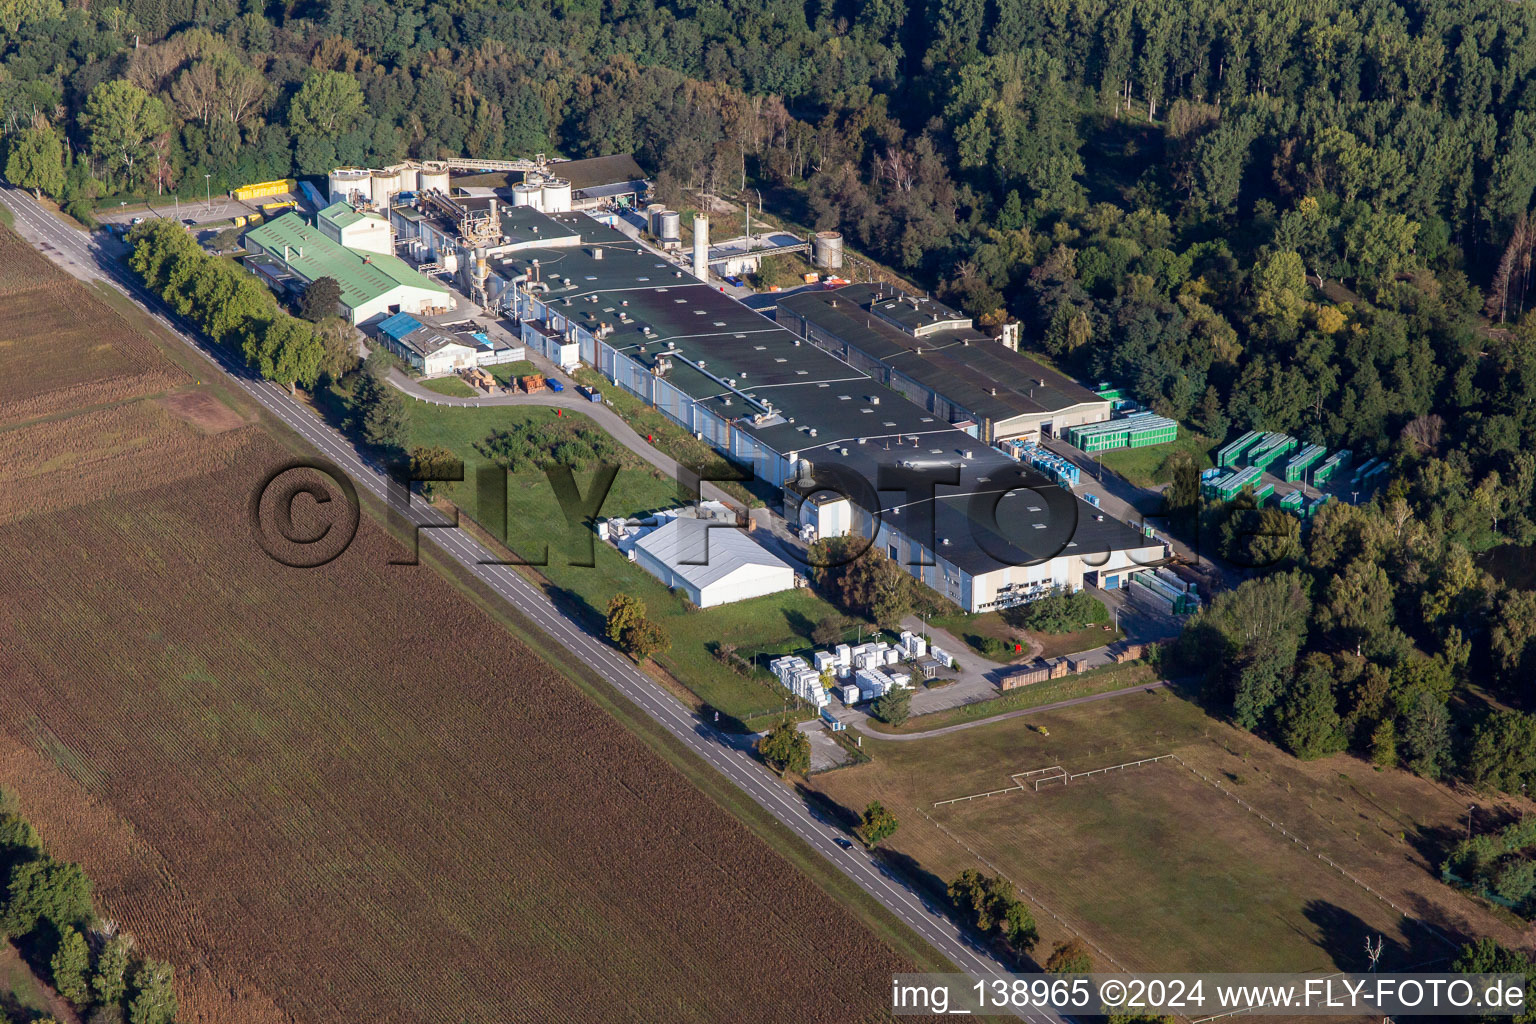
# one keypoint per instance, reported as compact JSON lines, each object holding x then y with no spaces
{"x":711,"y":561}
{"x":364,"y":231}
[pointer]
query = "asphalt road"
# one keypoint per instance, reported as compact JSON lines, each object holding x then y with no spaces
{"x":64,"y":242}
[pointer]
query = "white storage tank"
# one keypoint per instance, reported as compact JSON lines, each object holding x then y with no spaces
{"x":557,"y":196}
{"x":529,"y":194}
{"x":385,"y":184}
{"x":410,"y":178}
{"x":433,"y":177}
{"x":344,"y":181}
{"x":669,"y":226}
{"x":827,"y":249}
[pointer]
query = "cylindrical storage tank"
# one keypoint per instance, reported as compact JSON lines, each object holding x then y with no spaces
{"x":410,"y":178}
{"x":346,"y":180}
{"x":433,"y":177}
{"x":827,"y":249}
{"x":527,"y":194}
{"x":385,"y":184}
{"x":669,"y":226}
{"x":557,"y":196}
{"x":652,"y":212}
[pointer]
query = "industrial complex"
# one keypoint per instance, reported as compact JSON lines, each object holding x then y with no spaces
{"x":873,"y":413}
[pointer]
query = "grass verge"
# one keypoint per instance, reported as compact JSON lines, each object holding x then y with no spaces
{"x":1088,"y":684}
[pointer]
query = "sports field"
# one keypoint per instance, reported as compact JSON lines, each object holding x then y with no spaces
{"x":347,"y":793}
{"x":1161,"y":867}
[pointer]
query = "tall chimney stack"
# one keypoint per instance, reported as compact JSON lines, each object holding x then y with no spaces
{"x":701,"y":248}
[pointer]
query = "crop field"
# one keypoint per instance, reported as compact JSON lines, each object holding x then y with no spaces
{"x":1159,"y":867}
{"x":58,"y":349}
{"x":348,"y":793}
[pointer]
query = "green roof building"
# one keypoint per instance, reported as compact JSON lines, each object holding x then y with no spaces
{"x":374,"y":283}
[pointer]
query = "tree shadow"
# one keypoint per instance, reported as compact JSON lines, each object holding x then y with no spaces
{"x":1342,"y":935}
{"x":799,"y":622}
{"x":1434,"y":842}
{"x":570,"y":601}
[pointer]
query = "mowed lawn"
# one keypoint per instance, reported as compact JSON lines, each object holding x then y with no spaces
{"x":1158,"y":868}
{"x":535,"y":520}
{"x":1144,"y":467}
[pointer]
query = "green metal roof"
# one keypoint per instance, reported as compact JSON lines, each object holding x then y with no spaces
{"x":340,"y":214}
{"x":311,"y":254}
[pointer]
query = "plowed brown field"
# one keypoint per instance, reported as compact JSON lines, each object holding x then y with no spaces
{"x":347,"y":794}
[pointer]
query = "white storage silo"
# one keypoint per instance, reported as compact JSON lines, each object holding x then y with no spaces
{"x":344,"y":182}
{"x":410,"y":178}
{"x":527,"y":193}
{"x":385,"y":184}
{"x":557,"y":195}
{"x":433,"y":177}
{"x":701,"y":247}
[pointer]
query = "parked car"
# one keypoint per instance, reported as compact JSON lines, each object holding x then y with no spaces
{"x":844,"y":843}
{"x":554,"y":385}
{"x":137,"y":220}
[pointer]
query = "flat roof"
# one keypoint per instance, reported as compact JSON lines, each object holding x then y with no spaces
{"x":584,"y":174}
{"x":913,"y":313}
{"x":312,"y":254}
{"x":964,"y":365}
{"x":794,"y":397}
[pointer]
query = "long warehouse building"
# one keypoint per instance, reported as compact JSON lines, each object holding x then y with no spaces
{"x":936,"y":357}
{"x":990,"y":534}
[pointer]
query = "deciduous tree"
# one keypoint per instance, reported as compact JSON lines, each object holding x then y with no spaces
{"x":877,"y":823}
{"x":786,"y":748}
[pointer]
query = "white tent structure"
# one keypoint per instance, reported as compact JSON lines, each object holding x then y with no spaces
{"x":713,"y":563}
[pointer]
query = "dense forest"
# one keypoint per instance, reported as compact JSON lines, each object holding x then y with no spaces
{"x":1309,"y":217}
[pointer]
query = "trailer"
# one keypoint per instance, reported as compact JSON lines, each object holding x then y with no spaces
{"x":312,"y":196}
